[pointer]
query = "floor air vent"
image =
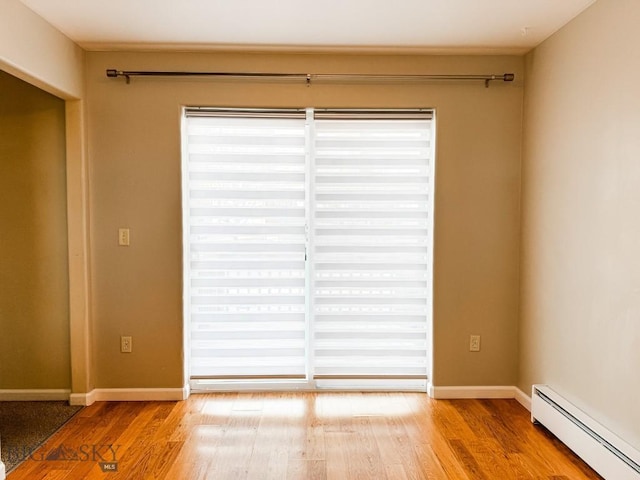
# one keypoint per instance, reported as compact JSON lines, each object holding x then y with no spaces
{"x":606,"y":453}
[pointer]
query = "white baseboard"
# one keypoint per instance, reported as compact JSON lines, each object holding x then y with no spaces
{"x":29,"y":395}
{"x":523,"y":399}
{"x":472,"y":392}
{"x":480,"y":392}
{"x":82,"y":399}
{"x":129,"y":395}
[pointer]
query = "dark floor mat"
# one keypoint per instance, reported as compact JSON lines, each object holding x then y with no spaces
{"x":24,"y":426}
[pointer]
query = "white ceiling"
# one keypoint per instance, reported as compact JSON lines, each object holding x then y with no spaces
{"x":455,"y":26}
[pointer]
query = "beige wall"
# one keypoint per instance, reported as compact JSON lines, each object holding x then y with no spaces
{"x":33,"y":50}
{"x":134,"y":150}
{"x":34,"y":311}
{"x":580,"y":327}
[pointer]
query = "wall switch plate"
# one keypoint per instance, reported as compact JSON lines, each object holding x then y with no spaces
{"x":474,"y":343}
{"x":123,"y":237}
{"x":126,"y":345}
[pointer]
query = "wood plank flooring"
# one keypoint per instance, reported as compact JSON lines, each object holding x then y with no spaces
{"x":304,"y":436}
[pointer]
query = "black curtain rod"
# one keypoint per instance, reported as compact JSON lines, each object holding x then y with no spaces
{"x":308,"y":77}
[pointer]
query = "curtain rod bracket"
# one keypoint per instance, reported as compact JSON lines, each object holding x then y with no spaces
{"x":113,"y":73}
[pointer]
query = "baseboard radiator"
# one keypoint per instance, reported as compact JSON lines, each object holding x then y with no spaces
{"x":605,"y":452}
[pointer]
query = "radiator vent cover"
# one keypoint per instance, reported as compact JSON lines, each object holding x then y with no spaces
{"x":601,"y":449}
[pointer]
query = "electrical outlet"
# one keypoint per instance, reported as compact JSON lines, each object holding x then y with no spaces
{"x":474,"y":343}
{"x":123,"y":237}
{"x":126,"y":345}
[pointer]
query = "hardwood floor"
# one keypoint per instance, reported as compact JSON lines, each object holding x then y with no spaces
{"x":304,"y":436}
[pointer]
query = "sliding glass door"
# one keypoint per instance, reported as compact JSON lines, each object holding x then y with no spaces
{"x":246,"y":223}
{"x":308,"y":247}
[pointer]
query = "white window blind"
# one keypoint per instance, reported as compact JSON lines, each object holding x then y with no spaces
{"x":308,"y":245}
{"x":246,"y":221}
{"x":372,"y":248}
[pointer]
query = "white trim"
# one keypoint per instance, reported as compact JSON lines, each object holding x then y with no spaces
{"x":480,"y":392}
{"x":186,"y":249}
{"x":29,"y":395}
{"x":2,"y":471}
{"x":140,"y":394}
{"x":130,"y":395}
{"x":430,"y":389}
{"x":82,"y":399}
{"x":523,"y":399}
{"x":472,"y":392}
{"x":431,"y":260}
